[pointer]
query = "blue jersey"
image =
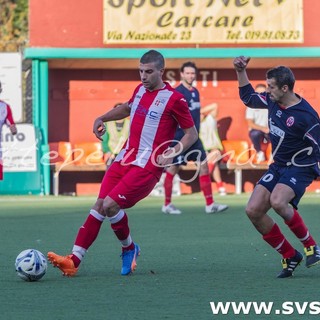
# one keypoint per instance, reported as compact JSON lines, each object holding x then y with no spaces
{"x":193,"y":99}
{"x":294,"y":131}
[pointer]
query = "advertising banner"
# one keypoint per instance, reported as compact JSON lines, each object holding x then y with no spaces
{"x":10,"y":77}
{"x":19,"y":152}
{"x":202,"y":21}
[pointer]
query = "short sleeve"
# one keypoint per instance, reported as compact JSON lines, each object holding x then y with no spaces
{"x":9,"y":119}
{"x":181,"y":113}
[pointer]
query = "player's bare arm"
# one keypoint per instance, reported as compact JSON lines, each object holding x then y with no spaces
{"x":240,"y":64}
{"x":255,"y":126}
{"x":189,"y":138}
{"x":118,"y":113}
{"x":13,"y":129}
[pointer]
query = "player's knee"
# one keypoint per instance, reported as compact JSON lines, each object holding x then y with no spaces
{"x":255,"y":134}
{"x":251,"y":211}
{"x":173,"y":170}
{"x":254,"y":211}
{"x":98,"y":206}
{"x":204,"y":168}
{"x":110,"y":207}
{"x":277,"y":203}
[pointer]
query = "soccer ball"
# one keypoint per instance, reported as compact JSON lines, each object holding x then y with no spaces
{"x":31,"y":265}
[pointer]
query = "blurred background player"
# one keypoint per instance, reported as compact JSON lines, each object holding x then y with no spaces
{"x":257,"y":120}
{"x":5,"y":118}
{"x":295,"y":140}
{"x":116,"y":134}
{"x":196,"y":153}
{"x":212,"y":143}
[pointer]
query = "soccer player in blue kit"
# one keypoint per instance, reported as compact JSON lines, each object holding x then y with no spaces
{"x":295,"y":138}
{"x":195,"y":153}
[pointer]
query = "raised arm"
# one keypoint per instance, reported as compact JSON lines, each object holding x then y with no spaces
{"x":247,"y":94}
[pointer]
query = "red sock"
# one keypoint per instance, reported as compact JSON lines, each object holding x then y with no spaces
{"x":168,"y":183}
{"x":298,"y":227}
{"x":211,"y":166}
{"x":119,"y":225}
{"x":87,"y":234}
{"x":277,"y":241}
{"x":220,"y":184}
{"x":76,"y":260}
{"x":205,"y":186}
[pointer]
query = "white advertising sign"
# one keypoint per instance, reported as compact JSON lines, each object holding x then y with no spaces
{"x":19,"y":152}
{"x":10,"y":77}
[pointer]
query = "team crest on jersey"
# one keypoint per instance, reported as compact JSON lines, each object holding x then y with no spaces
{"x":290,"y":121}
{"x":159,"y":102}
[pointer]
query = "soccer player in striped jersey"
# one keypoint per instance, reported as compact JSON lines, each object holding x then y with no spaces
{"x":5,"y":118}
{"x":155,"y":111}
{"x":295,"y":138}
{"x":195,"y":153}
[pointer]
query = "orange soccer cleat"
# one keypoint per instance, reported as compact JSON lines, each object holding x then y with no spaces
{"x":64,"y":263}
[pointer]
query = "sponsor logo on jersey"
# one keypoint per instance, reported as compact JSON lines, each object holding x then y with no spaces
{"x":141,"y":110}
{"x":276,"y":131}
{"x":194,"y":105}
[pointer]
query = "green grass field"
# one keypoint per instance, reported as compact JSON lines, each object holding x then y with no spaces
{"x":186,"y":262}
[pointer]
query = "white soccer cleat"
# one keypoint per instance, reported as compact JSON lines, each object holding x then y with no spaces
{"x":216,"y":207}
{"x":170,"y":209}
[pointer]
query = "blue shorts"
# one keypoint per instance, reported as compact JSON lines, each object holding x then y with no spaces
{"x":297,"y":178}
{"x":195,"y":153}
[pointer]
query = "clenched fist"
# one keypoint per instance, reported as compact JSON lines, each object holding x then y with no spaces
{"x":240,"y":63}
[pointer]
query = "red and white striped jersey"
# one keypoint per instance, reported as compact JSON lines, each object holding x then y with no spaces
{"x":154,"y":118}
{"x":5,"y":117}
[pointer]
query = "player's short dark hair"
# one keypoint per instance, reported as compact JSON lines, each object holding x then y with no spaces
{"x":153,"y":56}
{"x":189,"y":64}
{"x":283,"y":76}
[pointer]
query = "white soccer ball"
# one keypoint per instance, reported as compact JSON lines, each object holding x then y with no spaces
{"x":31,"y":265}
